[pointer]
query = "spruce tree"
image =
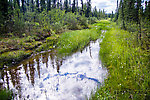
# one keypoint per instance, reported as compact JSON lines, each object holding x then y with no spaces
{"x":61,"y":6}
{"x":32,"y":6}
{"x":73,"y":6}
{"x":37,"y":5}
{"x":48,"y":5}
{"x":23,"y":8}
{"x":147,"y":10}
{"x":54,"y":3}
{"x":58,"y":4}
{"x":121,"y":14}
{"x":112,"y":16}
{"x":3,"y":11}
{"x":88,"y":11}
{"x":42,"y":5}
{"x":18,"y":3}
{"x":66,"y":5}
{"x":82,"y":7}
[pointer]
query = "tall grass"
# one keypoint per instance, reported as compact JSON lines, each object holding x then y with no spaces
{"x":6,"y":94}
{"x":73,"y":40}
{"x":128,"y":67}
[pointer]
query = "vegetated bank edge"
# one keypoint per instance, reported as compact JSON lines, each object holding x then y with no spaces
{"x":128,"y":65}
{"x":67,"y":43}
{"x":20,"y":48}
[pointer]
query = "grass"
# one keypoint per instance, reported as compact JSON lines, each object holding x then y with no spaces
{"x":70,"y":42}
{"x":128,"y":67}
{"x":5,"y":95}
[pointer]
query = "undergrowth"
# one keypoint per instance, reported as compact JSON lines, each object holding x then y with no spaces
{"x":128,"y":67}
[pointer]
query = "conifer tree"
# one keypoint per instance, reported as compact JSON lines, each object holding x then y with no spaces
{"x":95,"y":13}
{"x":42,"y":5}
{"x":48,"y":5}
{"x":112,"y":16}
{"x":32,"y":6}
{"x":54,"y":3}
{"x":121,"y":14}
{"x":77,"y":6}
{"x":88,"y":11}
{"x":73,"y":6}
{"x":61,"y":6}
{"x":18,"y":3}
{"x":3,"y":11}
{"x":23,"y":8}
{"x":58,"y":4}
{"x":82,"y":7}
{"x":37,"y":5}
{"x":66,"y":5}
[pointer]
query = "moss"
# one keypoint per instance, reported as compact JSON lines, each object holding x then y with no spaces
{"x":13,"y":57}
{"x":49,"y":43}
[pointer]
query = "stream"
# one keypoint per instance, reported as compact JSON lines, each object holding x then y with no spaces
{"x":47,"y":77}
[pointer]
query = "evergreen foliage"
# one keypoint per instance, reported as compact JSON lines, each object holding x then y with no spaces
{"x":24,"y":16}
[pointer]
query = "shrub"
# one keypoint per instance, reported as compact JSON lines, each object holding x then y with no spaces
{"x":71,"y":21}
{"x":58,"y":27}
{"x":92,"y":20}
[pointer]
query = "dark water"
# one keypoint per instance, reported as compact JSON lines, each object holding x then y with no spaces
{"x":48,"y":77}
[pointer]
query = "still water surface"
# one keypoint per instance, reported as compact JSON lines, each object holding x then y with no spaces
{"x":48,"y":77}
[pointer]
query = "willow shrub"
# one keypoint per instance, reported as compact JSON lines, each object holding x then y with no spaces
{"x":128,"y":67}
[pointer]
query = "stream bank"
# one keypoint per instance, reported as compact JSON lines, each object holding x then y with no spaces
{"x":46,"y":76}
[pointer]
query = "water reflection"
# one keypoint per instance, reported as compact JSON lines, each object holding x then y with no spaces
{"x":46,"y":76}
{"x":32,"y":69}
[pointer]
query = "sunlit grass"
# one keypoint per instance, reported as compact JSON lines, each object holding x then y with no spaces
{"x":128,"y":67}
{"x":69,"y":42}
{"x":72,"y":41}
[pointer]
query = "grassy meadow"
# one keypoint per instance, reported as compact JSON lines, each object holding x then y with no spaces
{"x":71,"y":41}
{"x":128,"y":67}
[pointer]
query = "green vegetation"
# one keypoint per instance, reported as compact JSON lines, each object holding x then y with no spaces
{"x":28,"y":26}
{"x":74,"y":40}
{"x":5,"y":95}
{"x":49,"y":44}
{"x":128,"y":67}
{"x":11,"y":58}
{"x":71,"y":41}
{"x":15,"y":50}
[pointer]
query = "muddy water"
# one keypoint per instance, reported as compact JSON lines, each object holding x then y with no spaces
{"x":48,"y":77}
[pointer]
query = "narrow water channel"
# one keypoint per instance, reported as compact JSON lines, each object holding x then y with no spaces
{"x":48,"y":77}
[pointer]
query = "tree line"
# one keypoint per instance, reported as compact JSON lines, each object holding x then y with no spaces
{"x":15,"y":12}
{"x":132,"y":11}
{"x":134,"y":16}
